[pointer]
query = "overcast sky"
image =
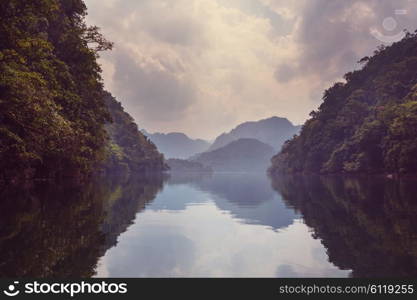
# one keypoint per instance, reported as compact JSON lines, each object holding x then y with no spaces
{"x":203,"y":66}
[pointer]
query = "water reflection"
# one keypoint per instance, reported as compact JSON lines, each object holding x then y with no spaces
{"x":211,"y":225}
{"x":127,"y":198}
{"x":60,"y":231}
{"x":368,"y":225}
{"x":219,"y":225}
{"x":44,"y":236}
{"x":246,"y":196}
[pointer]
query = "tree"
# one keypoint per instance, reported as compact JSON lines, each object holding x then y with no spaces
{"x":52,"y":112}
{"x":367,"y":124}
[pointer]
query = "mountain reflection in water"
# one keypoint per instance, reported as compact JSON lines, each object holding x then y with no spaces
{"x":210,"y":225}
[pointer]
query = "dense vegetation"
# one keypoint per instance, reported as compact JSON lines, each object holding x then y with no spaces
{"x":367,"y":224}
{"x":52,"y":108}
{"x":129,"y":150}
{"x":51,"y":104}
{"x":367,"y":124}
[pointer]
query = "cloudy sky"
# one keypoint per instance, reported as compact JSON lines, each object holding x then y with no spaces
{"x":203,"y":66}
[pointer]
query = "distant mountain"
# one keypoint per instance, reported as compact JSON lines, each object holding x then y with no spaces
{"x":182,"y":165}
{"x":240,"y":155}
{"x":177,"y":145}
{"x":273,"y":131}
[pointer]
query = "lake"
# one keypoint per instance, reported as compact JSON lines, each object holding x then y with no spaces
{"x":211,"y":225}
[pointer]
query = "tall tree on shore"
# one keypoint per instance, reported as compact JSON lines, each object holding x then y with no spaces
{"x":52,"y":112}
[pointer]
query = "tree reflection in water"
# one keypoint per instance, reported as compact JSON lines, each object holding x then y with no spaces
{"x":60,"y":231}
{"x":368,"y":225}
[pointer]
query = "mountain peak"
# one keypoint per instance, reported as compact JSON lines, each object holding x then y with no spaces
{"x":177,"y":144}
{"x":273,"y":131}
{"x":245,"y":154}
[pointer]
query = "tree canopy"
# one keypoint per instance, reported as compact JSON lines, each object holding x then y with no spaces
{"x":367,"y":124}
{"x":128,"y":149}
{"x":52,"y":107}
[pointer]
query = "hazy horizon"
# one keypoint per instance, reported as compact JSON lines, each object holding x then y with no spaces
{"x":202,"y":67}
{"x":212,"y":140}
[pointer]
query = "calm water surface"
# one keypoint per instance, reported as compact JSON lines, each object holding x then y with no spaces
{"x":212,"y":225}
{"x":222,"y":225}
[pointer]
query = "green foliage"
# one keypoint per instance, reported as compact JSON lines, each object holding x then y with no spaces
{"x":367,"y":124}
{"x":128,"y":149}
{"x":52,"y":113}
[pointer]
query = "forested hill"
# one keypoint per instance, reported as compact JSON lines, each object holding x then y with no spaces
{"x":52,"y":112}
{"x":242,"y":155}
{"x":52,"y":108}
{"x":367,"y":124}
{"x":176,"y":144}
{"x":129,"y":150}
{"x":272,"y":131}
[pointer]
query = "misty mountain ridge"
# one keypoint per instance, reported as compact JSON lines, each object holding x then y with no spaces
{"x":176,"y":144}
{"x":273,"y":131}
{"x":242,"y":155}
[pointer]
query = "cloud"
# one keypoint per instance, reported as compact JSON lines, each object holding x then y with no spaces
{"x":333,"y":35}
{"x":284,"y":72}
{"x":151,"y":88}
{"x":204,"y":66}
